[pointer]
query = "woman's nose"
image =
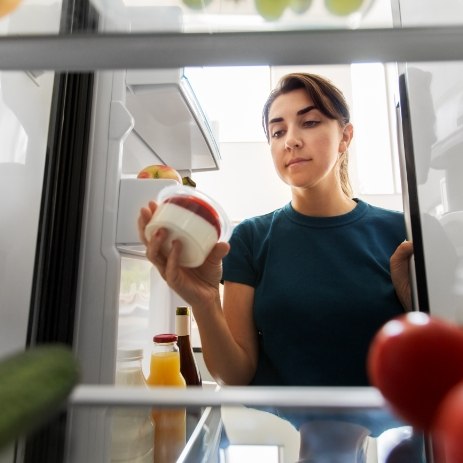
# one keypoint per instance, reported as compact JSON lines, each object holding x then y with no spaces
{"x":293,"y":140}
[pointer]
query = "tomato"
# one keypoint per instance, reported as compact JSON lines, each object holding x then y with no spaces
{"x":448,"y":427}
{"x":414,"y":360}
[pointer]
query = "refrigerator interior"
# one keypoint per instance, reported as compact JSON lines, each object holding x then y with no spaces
{"x":119,"y":292}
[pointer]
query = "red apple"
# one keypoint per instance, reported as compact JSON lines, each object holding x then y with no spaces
{"x":447,"y":430}
{"x":414,"y":360}
{"x":160,"y":171}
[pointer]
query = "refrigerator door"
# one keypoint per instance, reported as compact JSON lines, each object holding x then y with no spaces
{"x":25,"y":112}
{"x":25,"y":102}
{"x":26,"y":108}
{"x":432,"y":114}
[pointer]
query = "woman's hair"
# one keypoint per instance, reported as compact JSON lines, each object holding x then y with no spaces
{"x":327,"y":98}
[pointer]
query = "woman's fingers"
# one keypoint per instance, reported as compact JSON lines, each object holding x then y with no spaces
{"x":403,"y":252}
{"x":143,"y":219}
{"x":219,"y":251}
{"x":172,"y":263}
{"x":154,"y":250}
{"x":400,"y":263}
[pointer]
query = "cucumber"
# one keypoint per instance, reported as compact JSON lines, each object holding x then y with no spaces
{"x":33,"y":387}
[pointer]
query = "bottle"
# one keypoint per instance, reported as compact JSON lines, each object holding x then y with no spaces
{"x":170,"y":424}
{"x":188,"y":365}
{"x":132,"y":429}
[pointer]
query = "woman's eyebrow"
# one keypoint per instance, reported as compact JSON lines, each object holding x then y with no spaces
{"x":275,"y":119}
{"x":299,"y":113}
{"x":306,"y":110}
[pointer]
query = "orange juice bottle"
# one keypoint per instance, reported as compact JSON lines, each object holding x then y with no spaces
{"x":170,"y":424}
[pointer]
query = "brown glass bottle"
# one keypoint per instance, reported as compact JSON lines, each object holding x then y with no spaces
{"x":188,"y":365}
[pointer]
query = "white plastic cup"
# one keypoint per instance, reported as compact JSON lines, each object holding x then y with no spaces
{"x":193,"y":218}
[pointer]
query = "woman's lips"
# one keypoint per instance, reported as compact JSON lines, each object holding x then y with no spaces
{"x":296,"y":161}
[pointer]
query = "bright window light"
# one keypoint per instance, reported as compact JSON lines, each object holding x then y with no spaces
{"x":252,"y":453}
{"x":374,"y":153}
{"x":233,"y":97}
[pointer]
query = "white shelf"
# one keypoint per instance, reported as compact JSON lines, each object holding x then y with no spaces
{"x":134,"y":194}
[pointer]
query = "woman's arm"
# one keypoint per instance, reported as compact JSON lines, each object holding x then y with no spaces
{"x":229,"y":342}
{"x":229,"y":337}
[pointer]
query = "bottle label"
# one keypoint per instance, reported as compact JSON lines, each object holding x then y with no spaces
{"x":182,"y":325}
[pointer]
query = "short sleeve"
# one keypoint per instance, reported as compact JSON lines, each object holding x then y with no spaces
{"x":239,"y":265}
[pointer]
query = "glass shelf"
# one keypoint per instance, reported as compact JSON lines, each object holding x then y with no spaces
{"x":124,"y":34}
{"x":284,"y":424}
{"x":241,"y":15}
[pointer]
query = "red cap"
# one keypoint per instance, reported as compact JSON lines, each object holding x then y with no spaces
{"x":163,"y":338}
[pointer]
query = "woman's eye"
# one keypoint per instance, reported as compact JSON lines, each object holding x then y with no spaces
{"x":277,"y":133}
{"x":310,"y":123}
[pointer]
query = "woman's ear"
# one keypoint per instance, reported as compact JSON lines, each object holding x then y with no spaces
{"x":347,"y":134}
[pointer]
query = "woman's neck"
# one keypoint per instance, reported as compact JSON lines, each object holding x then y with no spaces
{"x":321,"y":205}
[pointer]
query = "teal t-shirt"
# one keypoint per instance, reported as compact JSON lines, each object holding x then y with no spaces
{"x":322,"y":290}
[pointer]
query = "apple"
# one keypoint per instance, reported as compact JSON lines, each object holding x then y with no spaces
{"x":196,"y":4}
{"x":343,"y":7}
{"x":188,"y":181}
{"x":160,"y":171}
{"x":271,"y":10}
{"x":300,"y":6}
{"x":447,"y":429}
{"x":7,"y":6}
{"x":414,"y":360}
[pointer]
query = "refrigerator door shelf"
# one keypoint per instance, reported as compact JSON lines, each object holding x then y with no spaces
{"x":170,"y":121}
{"x":134,"y":194}
{"x":447,"y":151}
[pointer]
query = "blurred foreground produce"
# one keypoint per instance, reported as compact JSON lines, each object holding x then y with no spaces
{"x":448,"y":427}
{"x":416,"y":362}
{"x":7,"y":6}
{"x":34,"y":385}
{"x":272,"y":10}
{"x":197,"y":4}
{"x":343,"y":7}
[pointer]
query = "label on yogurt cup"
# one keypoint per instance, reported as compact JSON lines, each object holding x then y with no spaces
{"x":199,"y":207}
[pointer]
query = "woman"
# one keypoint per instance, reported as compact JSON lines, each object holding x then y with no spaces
{"x":306,"y":286}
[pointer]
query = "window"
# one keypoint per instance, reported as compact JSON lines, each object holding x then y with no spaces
{"x":375,"y":153}
{"x":233,"y":97}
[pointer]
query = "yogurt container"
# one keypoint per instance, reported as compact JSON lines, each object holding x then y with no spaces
{"x":191,"y":217}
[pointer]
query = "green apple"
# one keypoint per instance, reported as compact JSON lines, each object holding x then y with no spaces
{"x":343,"y":7}
{"x":271,"y":10}
{"x":300,"y":6}
{"x":197,"y":4}
{"x":160,"y":171}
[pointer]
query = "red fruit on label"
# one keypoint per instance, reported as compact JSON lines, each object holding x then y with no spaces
{"x":199,"y":207}
{"x":414,"y":360}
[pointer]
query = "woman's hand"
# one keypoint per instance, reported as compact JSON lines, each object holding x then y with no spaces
{"x":197,"y":286}
{"x":400,"y":273}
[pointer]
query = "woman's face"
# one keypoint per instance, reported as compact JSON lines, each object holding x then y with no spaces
{"x":305,"y":144}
